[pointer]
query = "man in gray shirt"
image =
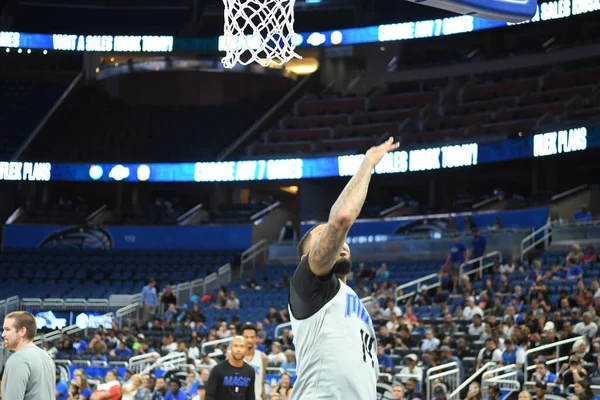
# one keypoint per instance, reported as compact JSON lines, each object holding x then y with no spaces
{"x":29,"y":373}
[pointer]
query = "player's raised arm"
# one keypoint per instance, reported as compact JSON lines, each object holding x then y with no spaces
{"x":327,"y":248}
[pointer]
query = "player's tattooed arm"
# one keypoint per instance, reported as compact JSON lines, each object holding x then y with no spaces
{"x":345,"y":210}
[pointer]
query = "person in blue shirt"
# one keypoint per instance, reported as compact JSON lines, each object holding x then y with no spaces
{"x":62,"y":389}
{"x":149,"y":299}
{"x":479,"y":244}
{"x":457,"y":256}
{"x":574,"y":272}
{"x":384,"y":359}
{"x":175,"y":392}
{"x":79,"y":344}
{"x":542,"y":374}
{"x":122,"y":350}
{"x":382,"y":273}
{"x":583,"y":215}
{"x":447,"y":356}
{"x":98,"y":358}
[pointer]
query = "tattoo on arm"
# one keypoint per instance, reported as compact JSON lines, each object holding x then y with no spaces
{"x":341,"y":217}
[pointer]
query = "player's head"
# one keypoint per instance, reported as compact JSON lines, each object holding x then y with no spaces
{"x":343,"y":264}
{"x":249,"y":333}
{"x":19,"y":327}
{"x":238,"y":348}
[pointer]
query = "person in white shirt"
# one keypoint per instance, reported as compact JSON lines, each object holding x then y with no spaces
{"x":393,"y":324}
{"x":587,"y":327}
{"x":477,"y":327}
{"x":201,"y":393}
{"x":470,"y":309}
{"x":412,"y":370}
{"x":392,"y":308}
{"x":430,"y":342}
{"x":508,"y":268}
{"x":490,"y":353}
{"x":277,"y":356}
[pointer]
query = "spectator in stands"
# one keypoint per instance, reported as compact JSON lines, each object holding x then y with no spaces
{"x":448,"y":327}
{"x":440,"y":391}
{"x":582,"y":386}
{"x":489,"y":353}
{"x":277,"y":357}
{"x":458,"y":256}
{"x":470,"y":309}
{"x":273,"y":317}
{"x":121,"y":351}
{"x":583,"y":296}
{"x":575,"y":255}
{"x":411,"y":369}
{"x":474,"y":391}
{"x":175,"y":392}
{"x":479,"y":244}
{"x":168,"y":297}
{"x":494,"y":392}
{"x":589,"y":256}
{"x":462,"y":348}
{"x":553,"y":274}
{"x":160,"y":389}
{"x":574,"y":271}
{"x":524,"y":396}
{"x":111,"y":390}
{"x":583,"y":215}
{"x":447,"y":356}
{"x":382,"y":273}
{"x":581,"y":350}
{"x":62,"y":389}
{"x":497,"y":225}
{"x":130,"y":390}
{"x":541,"y":388}
{"x":513,"y":354}
{"x":289,"y":365}
{"x":145,"y":391}
{"x":51,"y":349}
{"x":99,"y":359}
{"x":398,"y":391}
{"x":411,"y":392}
{"x":542,"y":374}
{"x":97,"y":345}
{"x":405,"y":340}
{"x":232,"y":302}
{"x":385,"y":361}
{"x":477,"y":327}
{"x":392,"y":308}
{"x":430,"y":342}
{"x":149,"y":300}
{"x":191,"y":385}
{"x":550,"y":337}
{"x":85,"y":393}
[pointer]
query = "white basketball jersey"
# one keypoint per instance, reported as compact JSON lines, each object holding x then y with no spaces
{"x":336,"y":351}
{"x":257,"y":364}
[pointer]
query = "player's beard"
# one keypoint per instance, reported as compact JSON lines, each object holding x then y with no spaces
{"x":342,"y":266}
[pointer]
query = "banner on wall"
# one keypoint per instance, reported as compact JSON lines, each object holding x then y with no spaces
{"x":210,"y":238}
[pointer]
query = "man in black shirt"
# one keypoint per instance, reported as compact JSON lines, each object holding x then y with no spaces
{"x":232,"y":379}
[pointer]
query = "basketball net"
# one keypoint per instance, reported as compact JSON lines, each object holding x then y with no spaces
{"x":259,"y":31}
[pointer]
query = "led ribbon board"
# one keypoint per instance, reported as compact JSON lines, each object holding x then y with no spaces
{"x":399,"y":162}
{"x":546,"y":11}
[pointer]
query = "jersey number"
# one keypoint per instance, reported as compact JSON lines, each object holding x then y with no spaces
{"x":367,"y":344}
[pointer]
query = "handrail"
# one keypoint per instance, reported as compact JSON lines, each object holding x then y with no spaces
{"x":252,"y":248}
{"x":281,"y":327}
{"x":215,"y":342}
{"x":392,"y":209}
{"x":48,"y":115}
{"x":244,"y":136}
{"x":531,"y":237}
{"x":480,"y":261}
{"x":548,"y":346}
{"x":445,"y":369}
{"x":486,"y":201}
{"x":14,"y":216}
{"x":471,"y":378}
{"x":96,"y":212}
{"x":569,"y":192}
{"x":182,"y":219}
{"x":413,"y":283}
{"x":265,"y":211}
